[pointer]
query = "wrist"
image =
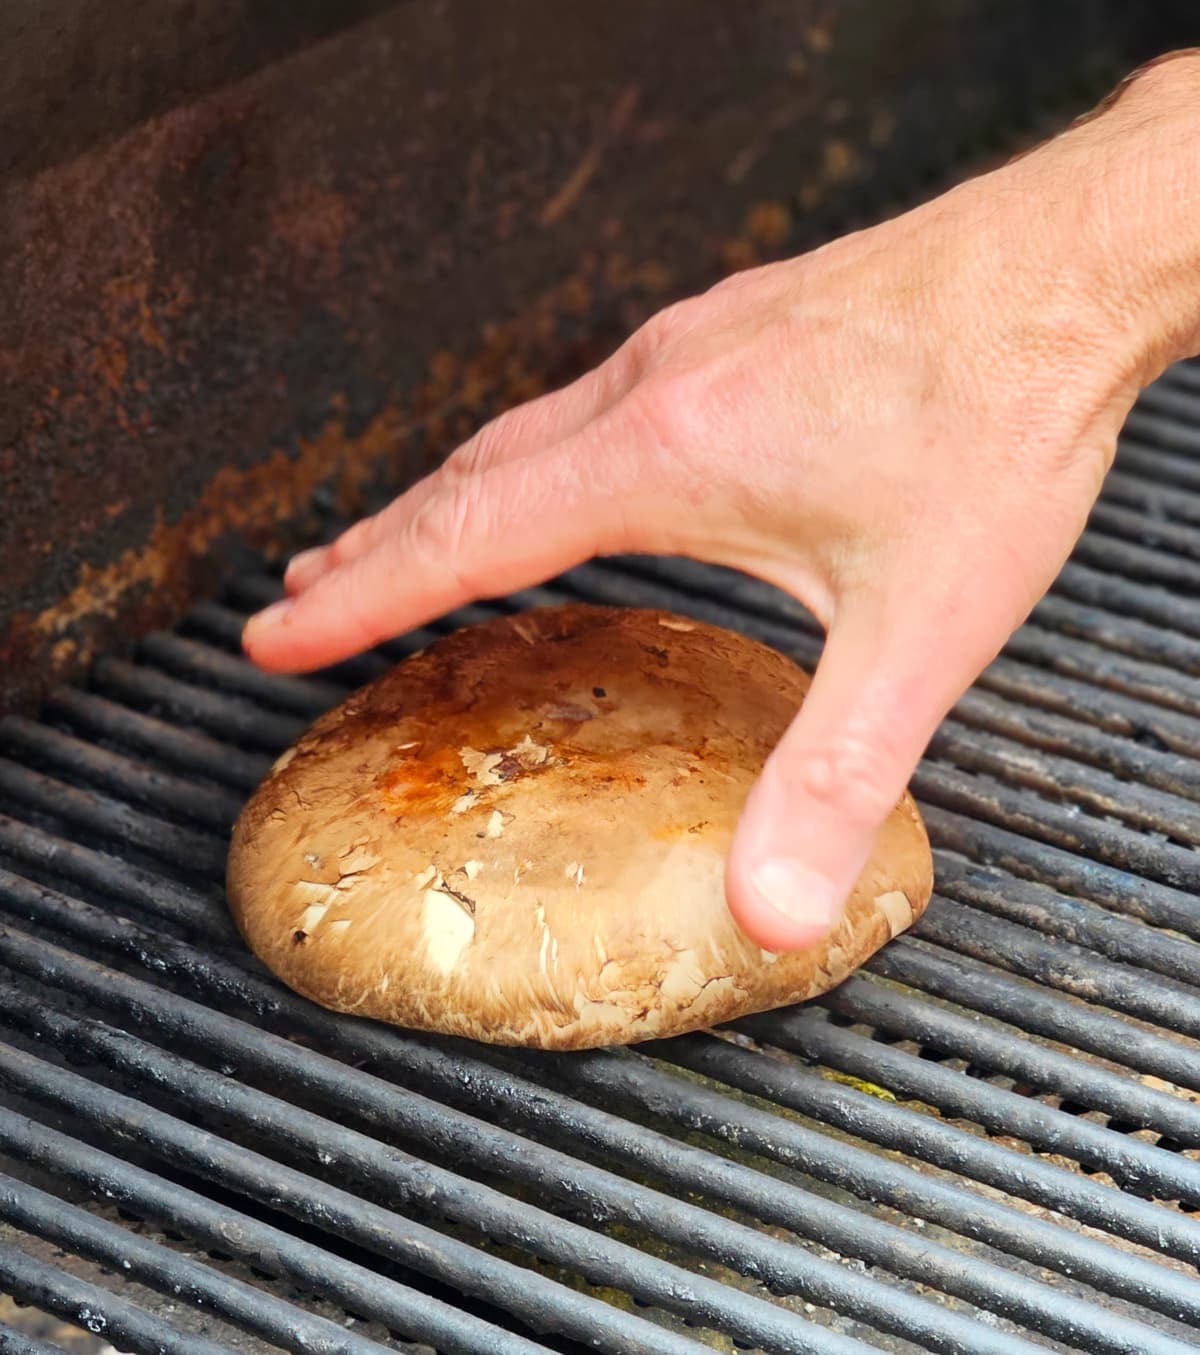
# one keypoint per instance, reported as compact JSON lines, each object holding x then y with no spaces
{"x":1132,"y":174}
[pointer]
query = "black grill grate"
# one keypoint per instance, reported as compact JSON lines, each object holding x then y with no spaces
{"x":989,"y":1141}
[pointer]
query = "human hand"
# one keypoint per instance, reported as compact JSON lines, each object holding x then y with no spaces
{"x":905,"y":429}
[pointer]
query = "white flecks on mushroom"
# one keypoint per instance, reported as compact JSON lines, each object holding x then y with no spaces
{"x":448,"y":929}
{"x":351,"y":847}
{"x":574,"y":871}
{"x":482,"y":766}
{"x":519,"y":869}
{"x":311,"y":917}
{"x":712,"y":992}
{"x":427,"y":876}
{"x":611,"y":1016}
{"x":683,"y":977}
{"x":895,"y":907}
{"x":463,"y":803}
{"x":471,"y":868}
{"x":526,"y":630}
{"x":545,"y":950}
{"x":338,"y":927}
{"x":405,"y":747}
{"x":768,"y":956}
{"x":283,"y":761}
{"x":312,"y":891}
{"x":833,"y":967}
{"x":312,"y":860}
{"x":495,"y":824}
{"x":357,"y":861}
{"x":675,"y":623}
{"x":530,"y":754}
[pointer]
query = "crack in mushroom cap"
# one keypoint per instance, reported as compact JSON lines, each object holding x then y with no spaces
{"x":519,"y":835}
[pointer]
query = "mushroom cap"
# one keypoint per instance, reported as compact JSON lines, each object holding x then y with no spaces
{"x":519,"y":835}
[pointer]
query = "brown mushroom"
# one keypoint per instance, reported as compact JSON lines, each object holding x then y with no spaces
{"x":519,"y":836}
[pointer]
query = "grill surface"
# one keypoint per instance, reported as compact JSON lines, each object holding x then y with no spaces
{"x":989,"y":1141}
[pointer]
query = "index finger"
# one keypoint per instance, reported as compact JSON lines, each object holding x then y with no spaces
{"x":514,"y":525}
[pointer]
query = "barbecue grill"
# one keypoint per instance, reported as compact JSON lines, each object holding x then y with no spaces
{"x":987,"y":1142}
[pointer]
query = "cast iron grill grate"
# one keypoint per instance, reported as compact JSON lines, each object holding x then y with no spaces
{"x":987,"y":1142}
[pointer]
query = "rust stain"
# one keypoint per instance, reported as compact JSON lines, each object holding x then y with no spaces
{"x":841,"y":161}
{"x":128,"y":304}
{"x":781,"y":120}
{"x":739,"y":254}
{"x":130,"y":298}
{"x":769,"y":224}
{"x":583,"y":173}
{"x":882,"y":129}
{"x":508,"y":368}
{"x":314,"y":223}
{"x":456,"y":394}
{"x":239,"y":500}
{"x":99,"y":589}
{"x":111,"y":361}
{"x":820,"y":38}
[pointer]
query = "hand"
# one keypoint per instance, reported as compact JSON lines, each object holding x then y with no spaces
{"x":906,"y":429}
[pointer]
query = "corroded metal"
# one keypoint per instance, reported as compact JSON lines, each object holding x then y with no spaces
{"x":288,"y":267}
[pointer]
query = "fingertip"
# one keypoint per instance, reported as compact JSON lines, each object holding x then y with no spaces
{"x":265,"y":634}
{"x":346,"y":611}
{"x":792,"y":864}
{"x":782,"y":904}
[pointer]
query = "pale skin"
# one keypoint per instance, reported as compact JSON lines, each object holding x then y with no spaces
{"x":906,"y":429}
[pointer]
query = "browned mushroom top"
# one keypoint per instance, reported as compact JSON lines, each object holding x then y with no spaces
{"x":519,"y":835}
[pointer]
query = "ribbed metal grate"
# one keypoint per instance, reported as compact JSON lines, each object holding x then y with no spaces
{"x":988,"y":1142}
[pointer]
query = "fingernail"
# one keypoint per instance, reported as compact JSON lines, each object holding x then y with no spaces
{"x":270,"y":616}
{"x":797,"y":893}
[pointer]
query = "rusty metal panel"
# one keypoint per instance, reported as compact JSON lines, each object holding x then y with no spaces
{"x":295,"y":270}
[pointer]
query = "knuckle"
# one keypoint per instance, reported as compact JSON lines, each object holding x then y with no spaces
{"x":854,"y":777}
{"x":355,"y":604}
{"x":670,"y":409}
{"x":434,"y":529}
{"x":440,"y":531}
{"x":481,"y":449}
{"x":648,"y":344}
{"x":348,"y":545}
{"x":639,"y":353}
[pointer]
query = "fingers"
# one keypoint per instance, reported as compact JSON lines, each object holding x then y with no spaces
{"x":524,"y":431}
{"x":888,"y":676}
{"x":504,"y":529}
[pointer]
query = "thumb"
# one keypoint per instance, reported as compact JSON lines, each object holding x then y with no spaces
{"x":810,"y":821}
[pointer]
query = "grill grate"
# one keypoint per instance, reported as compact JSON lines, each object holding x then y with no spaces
{"x":988,"y":1141}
